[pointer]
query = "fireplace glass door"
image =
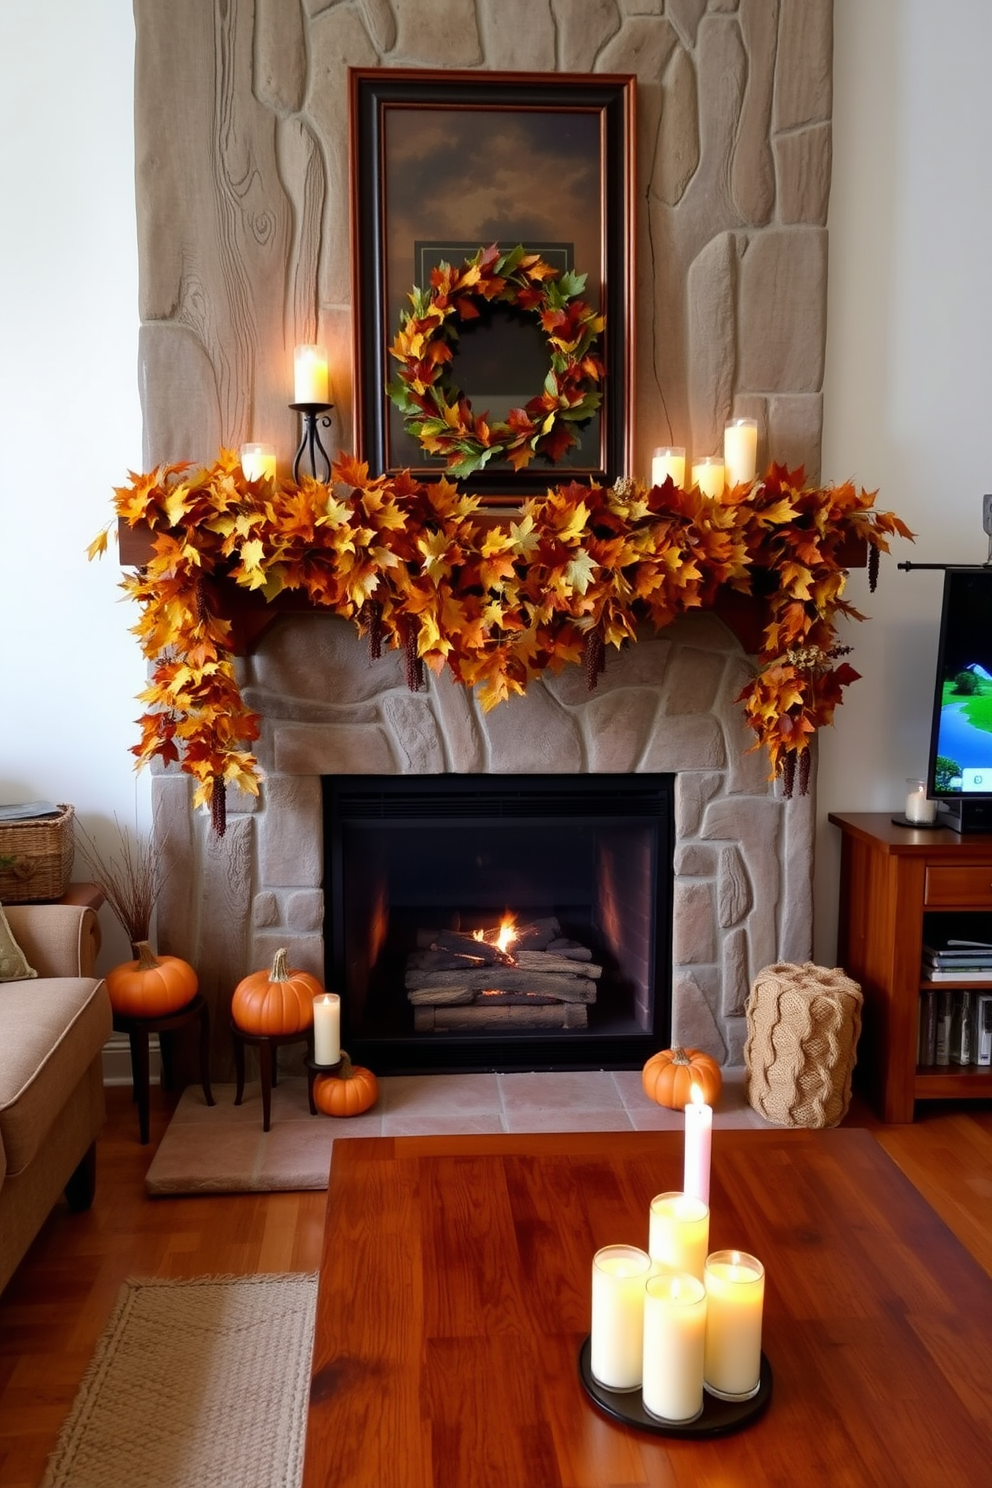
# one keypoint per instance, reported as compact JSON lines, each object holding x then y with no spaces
{"x":500,"y":922}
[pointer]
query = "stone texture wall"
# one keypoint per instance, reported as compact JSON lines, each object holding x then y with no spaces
{"x":243,"y":200}
{"x":743,"y":863}
{"x":243,"y":213}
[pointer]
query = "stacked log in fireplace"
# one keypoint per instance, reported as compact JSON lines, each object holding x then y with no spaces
{"x":462,"y":982}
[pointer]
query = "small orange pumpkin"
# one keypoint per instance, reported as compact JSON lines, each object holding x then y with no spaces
{"x":668,"y":1077}
{"x":275,"y":1001}
{"x":348,"y":1092}
{"x":151,"y":986}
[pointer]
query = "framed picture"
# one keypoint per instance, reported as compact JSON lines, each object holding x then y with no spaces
{"x":446,"y":165}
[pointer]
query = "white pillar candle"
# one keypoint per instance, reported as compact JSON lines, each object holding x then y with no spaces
{"x":735,"y":1295}
{"x":707,"y":474}
{"x":698,"y":1143}
{"x":327,"y":1028}
{"x":668,"y":460}
{"x":258,"y":461}
{"x":740,"y":451}
{"x":617,"y":1338}
{"x":679,"y":1233}
{"x":674,"y":1346}
{"x":918,"y":808}
{"x":311,"y":382}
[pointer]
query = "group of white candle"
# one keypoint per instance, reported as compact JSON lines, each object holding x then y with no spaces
{"x":311,"y":385}
{"x":736,"y":467}
{"x":676,"y":1319}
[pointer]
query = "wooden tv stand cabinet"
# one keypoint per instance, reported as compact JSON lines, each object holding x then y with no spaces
{"x":892,"y":880}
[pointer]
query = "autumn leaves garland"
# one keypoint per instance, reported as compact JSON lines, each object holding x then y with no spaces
{"x":412,"y":565}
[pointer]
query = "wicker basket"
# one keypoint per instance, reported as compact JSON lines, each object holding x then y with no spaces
{"x":803,"y":1024}
{"x":36,"y":858}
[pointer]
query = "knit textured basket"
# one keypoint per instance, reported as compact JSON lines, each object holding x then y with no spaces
{"x":803,"y":1024}
{"x":36,"y":857}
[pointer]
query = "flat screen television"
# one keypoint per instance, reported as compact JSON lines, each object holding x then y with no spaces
{"x":959,"y":775}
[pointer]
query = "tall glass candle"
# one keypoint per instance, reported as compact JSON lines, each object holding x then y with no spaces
{"x":258,"y":461}
{"x":735,"y":1297}
{"x":698,"y":1144}
{"x":918,"y":808}
{"x":679,"y":1233}
{"x":740,"y":451}
{"x":617,"y":1339}
{"x":668,"y":460}
{"x":674,"y":1346}
{"x":327,"y":1028}
{"x":311,"y":381}
{"x":707,"y":474}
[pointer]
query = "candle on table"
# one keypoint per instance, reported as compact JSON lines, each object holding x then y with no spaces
{"x":698,"y":1142}
{"x":327,"y":1028}
{"x":740,"y":451}
{"x":674,"y":1346}
{"x":258,"y":461}
{"x":735,"y":1295}
{"x":918,"y":808}
{"x":679,"y":1233}
{"x":311,"y":382}
{"x":668,"y":460}
{"x":707,"y":474}
{"x":617,"y":1338}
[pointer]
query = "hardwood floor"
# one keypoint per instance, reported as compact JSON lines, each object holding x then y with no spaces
{"x":54,"y":1309}
{"x":57,"y":1304}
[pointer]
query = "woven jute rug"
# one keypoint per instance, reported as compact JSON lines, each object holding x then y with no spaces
{"x":195,"y":1384}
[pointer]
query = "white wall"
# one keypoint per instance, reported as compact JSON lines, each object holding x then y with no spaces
{"x":908,"y":394}
{"x":69,"y":670}
{"x":908,"y":389}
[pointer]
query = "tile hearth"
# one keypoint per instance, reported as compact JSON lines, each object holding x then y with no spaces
{"x":224,"y":1149}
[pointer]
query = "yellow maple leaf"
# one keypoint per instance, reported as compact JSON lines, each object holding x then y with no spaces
{"x":437,"y":549}
{"x":98,"y":546}
{"x":579,"y":572}
{"x":176,"y":503}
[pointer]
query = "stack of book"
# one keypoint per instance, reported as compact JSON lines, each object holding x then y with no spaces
{"x":956,"y":1026}
{"x":958,"y":961}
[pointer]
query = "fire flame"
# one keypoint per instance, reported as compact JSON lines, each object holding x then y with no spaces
{"x":502,"y":938}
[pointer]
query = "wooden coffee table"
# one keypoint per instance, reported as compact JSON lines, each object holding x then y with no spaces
{"x":454,"y":1297}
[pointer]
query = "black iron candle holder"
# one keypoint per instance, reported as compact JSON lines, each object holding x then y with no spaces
{"x":311,"y":439}
{"x":717,"y":1418}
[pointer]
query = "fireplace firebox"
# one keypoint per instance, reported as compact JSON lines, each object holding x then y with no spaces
{"x":423,"y":872}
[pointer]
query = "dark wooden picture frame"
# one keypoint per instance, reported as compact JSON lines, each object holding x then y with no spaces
{"x":444,"y":163}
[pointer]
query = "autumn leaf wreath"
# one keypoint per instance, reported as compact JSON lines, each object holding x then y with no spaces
{"x":440,"y":417}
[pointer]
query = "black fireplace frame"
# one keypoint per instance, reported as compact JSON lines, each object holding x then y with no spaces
{"x":605,"y":798}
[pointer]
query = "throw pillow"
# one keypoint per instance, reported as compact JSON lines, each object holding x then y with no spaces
{"x":13,"y":962}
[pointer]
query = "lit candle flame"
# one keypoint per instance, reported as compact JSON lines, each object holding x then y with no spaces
{"x":696,"y":1094}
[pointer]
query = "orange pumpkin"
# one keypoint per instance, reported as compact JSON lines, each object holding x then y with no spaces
{"x":151,"y":986}
{"x":348,"y":1092}
{"x":276,"y":1001}
{"x":668,"y":1077}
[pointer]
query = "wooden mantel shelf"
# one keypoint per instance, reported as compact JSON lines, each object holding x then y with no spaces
{"x":251,"y":614}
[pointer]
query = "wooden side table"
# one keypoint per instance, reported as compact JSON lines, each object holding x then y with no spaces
{"x":138,"y":1029}
{"x":898,"y":885}
{"x":268,"y":1046}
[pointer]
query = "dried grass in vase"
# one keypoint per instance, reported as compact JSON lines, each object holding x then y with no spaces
{"x":131,"y":880}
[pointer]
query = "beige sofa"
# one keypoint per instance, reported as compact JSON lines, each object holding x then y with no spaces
{"x":52,"y":1030}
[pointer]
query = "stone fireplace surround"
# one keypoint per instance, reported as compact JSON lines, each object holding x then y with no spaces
{"x":743,"y":857}
{"x":242,"y":217}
